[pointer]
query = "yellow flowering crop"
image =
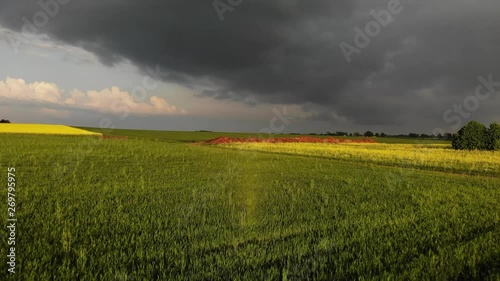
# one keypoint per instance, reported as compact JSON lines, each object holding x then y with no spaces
{"x":43,"y":129}
{"x":432,"y":156}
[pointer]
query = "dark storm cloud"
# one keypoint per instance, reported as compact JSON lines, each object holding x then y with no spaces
{"x":281,"y":51}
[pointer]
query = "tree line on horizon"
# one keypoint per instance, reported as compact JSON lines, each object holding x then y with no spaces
{"x":371,"y":134}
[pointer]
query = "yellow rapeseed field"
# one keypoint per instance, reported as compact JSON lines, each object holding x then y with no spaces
{"x":45,"y":129}
{"x":431,"y":156}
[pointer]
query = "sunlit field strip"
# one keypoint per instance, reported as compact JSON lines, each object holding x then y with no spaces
{"x":43,"y":129}
{"x":434,"y":156}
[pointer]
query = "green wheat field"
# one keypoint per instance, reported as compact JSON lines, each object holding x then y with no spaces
{"x":158,"y":206}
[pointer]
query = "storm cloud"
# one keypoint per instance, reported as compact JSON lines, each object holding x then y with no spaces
{"x":427,"y":58}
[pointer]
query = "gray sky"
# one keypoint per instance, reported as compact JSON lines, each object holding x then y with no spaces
{"x":393,"y":66}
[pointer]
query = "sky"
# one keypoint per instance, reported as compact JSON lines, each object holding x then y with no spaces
{"x":277,"y":66}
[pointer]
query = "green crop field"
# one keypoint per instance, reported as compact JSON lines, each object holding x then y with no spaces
{"x":157,"y":207}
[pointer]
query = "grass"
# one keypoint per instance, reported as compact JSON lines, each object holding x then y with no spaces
{"x":45,"y":129}
{"x":140,"y":209}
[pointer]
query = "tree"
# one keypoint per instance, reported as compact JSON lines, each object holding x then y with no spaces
{"x":368,"y":134}
{"x":383,"y":135}
{"x":4,"y":121}
{"x":470,"y":137}
{"x":357,"y":134}
{"x":493,"y":137}
{"x":377,"y":134}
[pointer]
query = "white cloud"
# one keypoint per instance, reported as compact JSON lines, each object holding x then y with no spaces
{"x":17,"y":89}
{"x":114,"y":100}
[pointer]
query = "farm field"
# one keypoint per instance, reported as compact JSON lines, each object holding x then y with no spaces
{"x":437,"y":157}
{"x":190,"y":137}
{"x":45,"y":129}
{"x":156,"y":207}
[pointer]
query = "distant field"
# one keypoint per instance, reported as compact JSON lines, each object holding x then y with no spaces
{"x":156,"y":207}
{"x":437,"y":157}
{"x":187,"y":136}
{"x":45,"y":129}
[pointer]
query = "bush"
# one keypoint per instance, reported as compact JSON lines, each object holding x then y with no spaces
{"x":472,"y":136}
